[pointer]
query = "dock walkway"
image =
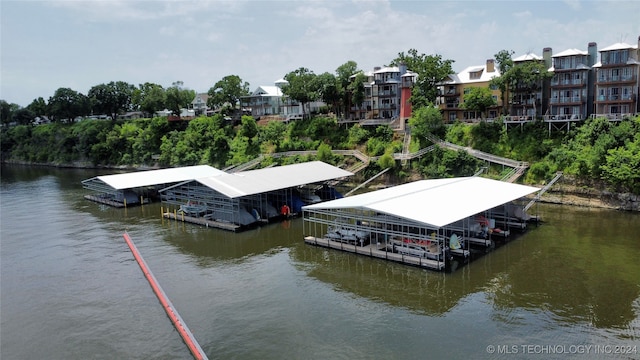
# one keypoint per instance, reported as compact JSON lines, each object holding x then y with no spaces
{"x":374,"y":251}
{"x":202,"y":221}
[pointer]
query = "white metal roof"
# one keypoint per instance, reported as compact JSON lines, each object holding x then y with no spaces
{"x":619,"y":46}
{"x":259,"y":181}
{"x":157,"y":177}
{"x":437,"y":202}
{"x":570,"y":52}
{"x":527,"y":57}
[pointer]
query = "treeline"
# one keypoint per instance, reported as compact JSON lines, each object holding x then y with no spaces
{"x":597,"y":150}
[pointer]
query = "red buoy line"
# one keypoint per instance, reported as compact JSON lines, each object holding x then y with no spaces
{"x":177,"y":321}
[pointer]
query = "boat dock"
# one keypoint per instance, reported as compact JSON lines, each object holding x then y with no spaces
{"x":376,"y":251}
{"x":105,"y":200}
{"x":202,"y":221}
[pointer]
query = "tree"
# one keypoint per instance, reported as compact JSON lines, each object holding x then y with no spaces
{"x":505,"y":63}
{"x":68,"y":104}
{"x":6,"y":112}
{"x":431,"y":69}
{"x":23,"y":116}
{"x":344,"y":73}
{"x":426,"y":120}
{"x":227,"y":92}
{"x":528,"y":78}
{"x":328,"y":89}
{"x":300,"y":86}
{"x":38,"y":107}
{"x":356,"y":89}
{"x":479,"y":99}
{"x":149,"y":98}
{"x":112,"y":98}
{"x":178,"y":97}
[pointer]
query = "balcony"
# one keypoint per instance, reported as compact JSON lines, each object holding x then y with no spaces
{"x":625,"y":97}
{"x":602,"y":79}
{"x":567,"y":99}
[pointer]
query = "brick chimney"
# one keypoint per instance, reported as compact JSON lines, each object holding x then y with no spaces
{"x":491,"y":65}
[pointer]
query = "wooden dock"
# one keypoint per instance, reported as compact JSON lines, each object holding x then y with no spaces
{"x":375,"y":251}
{"x":202,"y":221}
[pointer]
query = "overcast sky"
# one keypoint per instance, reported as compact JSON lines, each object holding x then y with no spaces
{"x":46,"y":45}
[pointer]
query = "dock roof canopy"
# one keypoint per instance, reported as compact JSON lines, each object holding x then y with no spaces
{"x":155,"y":177}
{"x":437,"y":202}
{"x":243,"y":183}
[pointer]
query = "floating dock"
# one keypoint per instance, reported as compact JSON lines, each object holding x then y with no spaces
{"x":104,"y":200}
{"x":376,"y":251}
{"x":202,"y":221}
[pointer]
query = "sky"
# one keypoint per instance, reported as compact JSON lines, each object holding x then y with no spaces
{"x":46,"y":45}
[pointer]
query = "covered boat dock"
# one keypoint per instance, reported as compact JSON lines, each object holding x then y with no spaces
{"x":234,"y":201}
{"x":425,"y":223}
{"x":122,"y":190}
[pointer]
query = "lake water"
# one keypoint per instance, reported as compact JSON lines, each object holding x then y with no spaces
{"x":70,"y":288}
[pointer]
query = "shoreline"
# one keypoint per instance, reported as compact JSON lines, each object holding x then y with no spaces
{"x":560,"y":194}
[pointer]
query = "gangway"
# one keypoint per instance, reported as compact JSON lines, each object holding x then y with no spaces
{"x":366,"y":182}
{"x":543,"y":190}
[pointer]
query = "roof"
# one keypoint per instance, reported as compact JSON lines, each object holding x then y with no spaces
{"x":570,"y":52}
{"x":527,"y":57}
{"x":619,"y":46}
{"x":156,"y":177}
{"x":464,"y":77}
{"x":437,"y":202}
{"x":267,"y":90}
{"x":387,"y":69}
{"x":252,"y":182}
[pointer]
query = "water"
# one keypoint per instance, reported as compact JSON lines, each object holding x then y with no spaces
{"x":70,"y":288}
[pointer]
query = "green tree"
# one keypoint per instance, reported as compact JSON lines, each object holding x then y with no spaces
{"x":505,"y":63}
{"x":23,"y":116}
{"x":112,"y":98}
{"x":301,"y":87}
{"x":38,"y":107}
{"x":528,"y":77}
{"x":431,"y":69}
{"x":178,"y":97}
{"x":226,"y":93}
{"x":479,"y":99}
{"x":356,"y":89}
{"x":324,"y":153}
{"x":6,"y":112}
{"x":149,"y":98}
{"x":344,"y":73}
{"x":329,"y":90}
{"x":67,"y":104}
{"x":424,"y":121}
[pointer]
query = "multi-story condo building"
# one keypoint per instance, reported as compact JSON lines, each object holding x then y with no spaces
{"x":453,"y":90}
{"x":617,"y":81}
{"x":528,"y":101}
{"x":387,"y":91}
{"x":572,"y":84}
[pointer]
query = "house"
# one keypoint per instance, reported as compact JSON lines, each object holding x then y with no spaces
{"x":199,"y":104}
{"x":571,"y":87}
{"x":270,"y":101}
{"x":617,"y":81}
{"x":452,"y":91}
